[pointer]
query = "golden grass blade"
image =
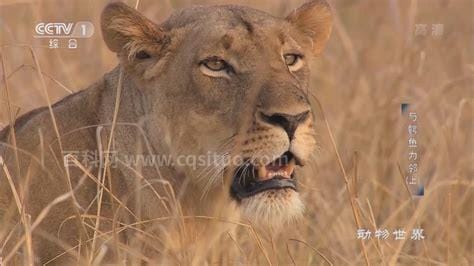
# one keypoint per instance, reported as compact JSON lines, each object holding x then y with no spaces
{"x":346,"y":179}
{"x":314,"y":249}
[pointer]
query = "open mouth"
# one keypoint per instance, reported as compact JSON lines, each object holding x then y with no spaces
{"x":249,"y":180}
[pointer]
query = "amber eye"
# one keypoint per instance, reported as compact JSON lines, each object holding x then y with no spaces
{"x":292,"y":59}
{"x":216,"y":67}
{"x":215,"y":64}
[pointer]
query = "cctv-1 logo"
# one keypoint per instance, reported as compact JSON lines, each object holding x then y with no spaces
{"x":81,"y":29}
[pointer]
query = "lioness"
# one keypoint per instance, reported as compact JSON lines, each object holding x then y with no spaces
{"x":226,"y":81}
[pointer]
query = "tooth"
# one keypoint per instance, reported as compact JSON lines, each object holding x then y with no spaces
{"x":291,"y":167}
{"x":262,"y":172}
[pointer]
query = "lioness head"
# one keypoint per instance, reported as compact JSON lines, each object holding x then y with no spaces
{"x":231,"y":81}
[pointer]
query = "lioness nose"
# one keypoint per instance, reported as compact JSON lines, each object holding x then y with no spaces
{"x":288,"y":122}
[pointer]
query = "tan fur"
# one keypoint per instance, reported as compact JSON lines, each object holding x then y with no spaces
{"x":273,"y":208}
{"x":168,"y":107}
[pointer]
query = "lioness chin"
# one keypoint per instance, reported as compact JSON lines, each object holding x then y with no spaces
{"x":225,"y":80}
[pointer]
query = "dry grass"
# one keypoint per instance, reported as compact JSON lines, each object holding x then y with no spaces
{"x":373,"y":62}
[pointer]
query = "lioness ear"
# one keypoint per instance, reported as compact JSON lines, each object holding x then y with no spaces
{"x":129,"y":33}
{"x":315,"y":20}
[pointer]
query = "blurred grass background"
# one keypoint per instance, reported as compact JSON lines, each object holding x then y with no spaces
{"x":378,"y":57}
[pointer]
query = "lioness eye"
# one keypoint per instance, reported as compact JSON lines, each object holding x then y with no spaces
{"x":215,"y":64}
{"x":216,"y":67}
{"x":291,"y":59}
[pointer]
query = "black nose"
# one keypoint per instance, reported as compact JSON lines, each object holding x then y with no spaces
{"x":288,"y":122}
